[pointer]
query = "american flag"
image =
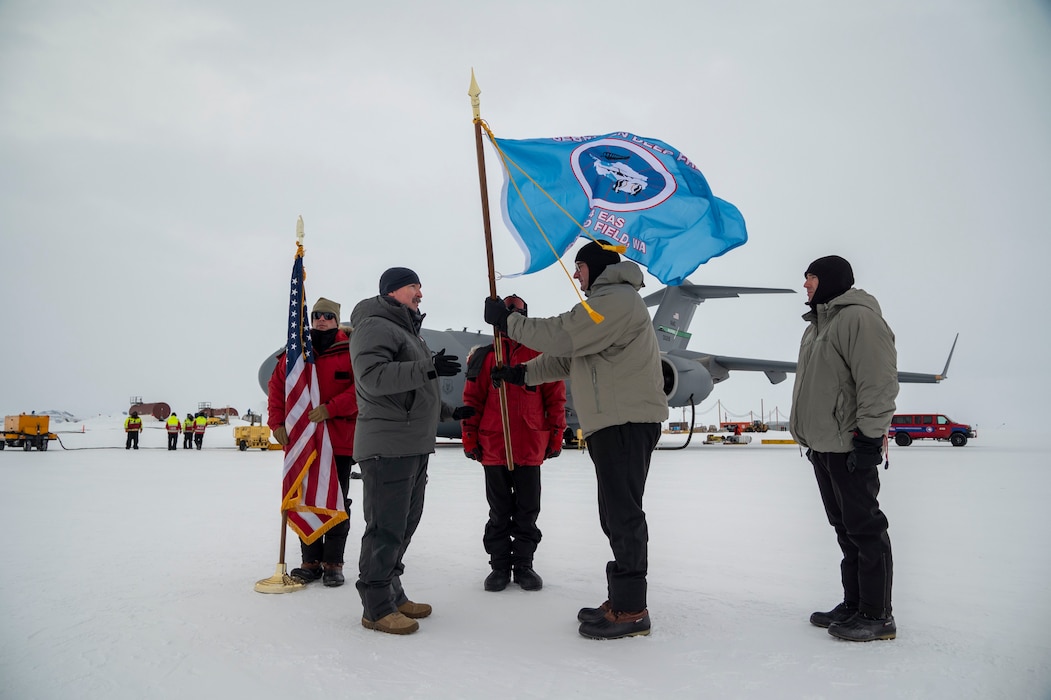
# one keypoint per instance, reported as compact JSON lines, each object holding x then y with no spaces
{"x":310,"y":486}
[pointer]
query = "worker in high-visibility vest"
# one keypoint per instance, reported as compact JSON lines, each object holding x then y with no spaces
{"x":174,"y":426}
{"x":132,"y":426}
{"x":187,"y":432}
{"x":199,"y":424}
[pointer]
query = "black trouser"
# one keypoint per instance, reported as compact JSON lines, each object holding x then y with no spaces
{"x":393,"y":490}
{"x":621,"y":454}
{"x":198,"y":439}
{"x":133,"y":440}
{"x":850,"y":502}
{"x":187,"y":440}
{"x":329,"y":547}
{"x":511,"y":535}
{"x":173,"y":441}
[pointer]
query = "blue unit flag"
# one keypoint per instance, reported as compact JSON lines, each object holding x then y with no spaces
{"x":620,"y":188}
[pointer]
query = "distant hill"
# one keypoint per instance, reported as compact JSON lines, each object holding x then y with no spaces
{"x":60,"y":416}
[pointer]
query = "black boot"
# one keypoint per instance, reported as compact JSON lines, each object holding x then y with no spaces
{"x":333,"y":575}
{"x":863,"y":628}
{"x":307,"y":572}
{"x":840,"y":613}
{"x":528,"y":579}
{"x":617,"y":625}
{"x":593,"y":614}
{"x":498,"y":580}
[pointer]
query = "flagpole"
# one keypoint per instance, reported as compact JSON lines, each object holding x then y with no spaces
{"x":474,"y":92}
{"x":281,"y":582}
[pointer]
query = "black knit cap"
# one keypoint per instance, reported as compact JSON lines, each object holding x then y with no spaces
{"x":834,"y":276}
{"x":397,"y":277}
{"x":597,"y":259}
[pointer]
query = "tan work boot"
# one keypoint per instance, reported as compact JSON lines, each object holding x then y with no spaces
{"x":414,"y":610}
{"x":395,"y":623}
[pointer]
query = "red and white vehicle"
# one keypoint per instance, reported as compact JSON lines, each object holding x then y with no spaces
{"x":906,"y":427}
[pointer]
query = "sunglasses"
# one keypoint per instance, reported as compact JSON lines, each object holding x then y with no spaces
{"x":318,"y":315}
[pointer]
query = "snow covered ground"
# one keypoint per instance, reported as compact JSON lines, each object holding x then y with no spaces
{"x":130,"y":575}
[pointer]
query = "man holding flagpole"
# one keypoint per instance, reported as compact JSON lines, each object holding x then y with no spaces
{"x":312,"y":492}
{"x":618,"y":393}
{"x":399,"y":408}
{"x":323,"y":558}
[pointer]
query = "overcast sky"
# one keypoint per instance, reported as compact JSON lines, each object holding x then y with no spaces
{"x":154,"y":157}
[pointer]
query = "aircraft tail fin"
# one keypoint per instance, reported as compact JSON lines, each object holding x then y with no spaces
{"x":677,"y":304}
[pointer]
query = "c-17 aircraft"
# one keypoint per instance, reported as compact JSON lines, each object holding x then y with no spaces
{"x":689,"y":376}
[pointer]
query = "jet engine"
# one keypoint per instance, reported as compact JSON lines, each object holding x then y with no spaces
{"x":267,"y":368}
{"x":683,"y":379}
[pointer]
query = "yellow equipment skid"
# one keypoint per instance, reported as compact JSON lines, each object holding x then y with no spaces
{"x":27,"y":431}
{"x":254,"y":436}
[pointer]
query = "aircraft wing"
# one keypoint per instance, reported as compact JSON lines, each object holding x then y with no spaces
{"x":700,"y":292}
{"x":775,"y":370}
{"x":918,"y":378}
{"x":720,"y":366}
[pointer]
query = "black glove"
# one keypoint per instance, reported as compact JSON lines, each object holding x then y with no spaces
{"x":496,"y":313}
{"x":461,"y":412}
{"x":551,"y":454}
{"x":446,"y":365}
{"x":511,"y":375}
{"x":475,"y":454}
{"x":866,"y":452}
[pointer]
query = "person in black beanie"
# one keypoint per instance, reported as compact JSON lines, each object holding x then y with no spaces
{"x":836,"y":276}
{"x":842,"y":403}
{"x":398,"y":277}
{"x":400,"y":406}
{"x":615,"y":369}
{"x":592,"y":261}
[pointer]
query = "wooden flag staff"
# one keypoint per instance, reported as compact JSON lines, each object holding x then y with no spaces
{"x":474,"y":91}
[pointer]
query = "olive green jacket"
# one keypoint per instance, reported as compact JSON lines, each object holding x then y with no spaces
{"x":614,"y":366}
{"x":847,"y":374}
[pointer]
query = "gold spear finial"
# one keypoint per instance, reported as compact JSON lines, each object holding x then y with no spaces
{"x":474,"y":91}
{"x":299,"y":230}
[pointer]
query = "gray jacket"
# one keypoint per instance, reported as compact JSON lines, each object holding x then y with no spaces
{"x":399,"y":401}
{"x":847,"y":375}
{"x":614,"y":366}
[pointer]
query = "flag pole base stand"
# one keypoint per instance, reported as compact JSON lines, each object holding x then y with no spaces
{"x":280,"y":582}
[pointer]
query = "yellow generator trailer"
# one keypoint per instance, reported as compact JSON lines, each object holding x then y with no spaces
{"x":27,"y":432}
{"x":254,"y":436}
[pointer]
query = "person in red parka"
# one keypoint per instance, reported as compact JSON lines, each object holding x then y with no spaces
{"x":323,"y":558}
{"x":537,"y":420}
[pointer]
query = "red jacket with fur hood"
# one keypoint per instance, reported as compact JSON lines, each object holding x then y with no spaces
{"x":536,"y":414}
{"x":336,"y":388}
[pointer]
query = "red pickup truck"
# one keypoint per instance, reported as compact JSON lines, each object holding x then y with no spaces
{"x":906,"y":427}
